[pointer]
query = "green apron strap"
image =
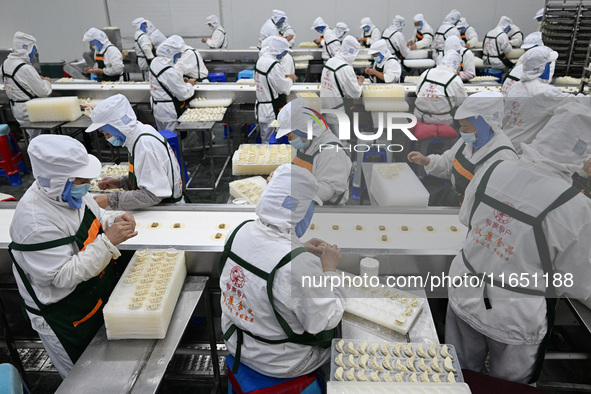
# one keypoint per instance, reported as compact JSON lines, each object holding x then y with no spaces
{"x":494,"y":152}
{"x":228,"y":247}
{"x":21,"y":87}
{"x":178,"y":104}
{"x":334,"y":71}
{"x":480,"y":191}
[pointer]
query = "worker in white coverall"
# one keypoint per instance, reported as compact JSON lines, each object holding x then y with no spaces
{"x":515,"y":34}
{"x":514,"y":75}
{"x":286,"y":61}
{"x":439,"y":91}
{"x":467,"y":69}
{"x":483,"y":142}
{"x":191,"y":65}
{"x":525,"y":220}
{"x":321,"y":153}
{"x":272,"y":84}
{"x":154,"y":172}
{"x":539,"y":16}
{"x":108,"y":60}
{"x":530,"y":103}
{"x":371,"y":33}
{"x":144,"y":47}
{"x":467,"y":33}
{"x":395,"y":38}
{"x":386,"y":68}
{"x":308,"y":315}
{"x":328,"y":41}
{"x":447,"y":29}
{"x":21,"y":81}
{"x":155,"y":35}
{"x":496,"y":46}
{"x":423,"y":35}
{"x":169,"y":89}
{"x":341,"y":29}
{"x":62,"y":248}
{"x":287,"y":31}
{"x":272,"y":27}
{"x":218,"y":36}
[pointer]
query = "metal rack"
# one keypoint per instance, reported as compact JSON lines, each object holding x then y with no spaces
{"x":586,"y":75}
{"x":566,"y":28}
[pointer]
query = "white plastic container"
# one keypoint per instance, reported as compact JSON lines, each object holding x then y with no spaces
{"x":398,"y":388}
{"x":54,"y":109}
{"x":396,"y":185}
{"x":369,"y":267}
{"x":250,"y":189}
{"x":258,"y":159}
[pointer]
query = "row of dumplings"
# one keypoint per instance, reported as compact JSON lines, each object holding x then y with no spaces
{"x":375,"y":376}
{"x":412,"y":364}
{"x":400,"y":350}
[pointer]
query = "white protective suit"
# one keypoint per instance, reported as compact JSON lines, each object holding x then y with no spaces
{"x":447,"y":29}
{"x":172,"y":79}
{"x":426,"y":32}
{"x":155,"y":35}
{"x":338,"y":78}
{"x":514,"y":75}
{"x":341,"y":29}
{"x":155,"y":164}
{"x":330,"y":42}
{"x":496,"y":44}
{"x":467,"y":68}
{"x":218,"y":36}
{"x":305,"y":309}
{"x":144,"y":48}
{"x":515,"y":324}
{"x":467,"y":33}
{"x":26,"y":83}
{"x":488,"y":105}
{"x":271,"y":82}
{"x":515,"y":35}
{"x":330,"y":166}
{"x":395,"y":38}
{"x":287,"y":30}
{"x":269,"y":28}
{"x":373,"y":34}
{"x":191,"y":64}
{"x":530,"y":103}
{"x":389,"y":65}
{"x":440,"y":90}
{"x":111,"y":55}
{"x":42,"y":216}
{"x":539,"y":17}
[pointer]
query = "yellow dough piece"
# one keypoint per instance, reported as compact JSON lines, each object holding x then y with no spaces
{"x":399,"y":366}
{"x":435,"y":365}
{"x":351,"y":348}
{"x":338,"y":374}
{"x":386,"y":377}
{"x":448,"y":365}
{"x":351,"y":375}
{"x":444,"y":352}
{"x":382,"y":228}
{"x":373,"y":349}
{"x":397,"y":349}
{"x":408,"y":350}
{"x":386,"y":362}
{"x":410,"y":364}
{"x":422,"y":366}
{"x":436,"y":379}
{"x":425,"y":377}
{"x":359,"y":227}
{"x":351,"y":362}
{"x":451,"y":378}
{"x":384,"y":237}
{"x":409,"y":311}
{"x":363,"y":348}
{"x":361,"y":376}
{"x":339,"y":346}
{"x":433,"y":350}
{"x":453,"y":228}
{"x":338,"y":360}
{"x":384,"y":349}
{"x":414,"y":302}
{"x":413,"y":378}
{"x":404,"y":228}
{"x":363,"y":361}
{"x":375,"y":377}
{"x":420,"y":352}
{"x":375,"y":364}
{"x":335,"y":227}
{"x":400,"y":320}
{"x":429,"y":228}
{"x":399,"y":377}
{"x":312,"y":226}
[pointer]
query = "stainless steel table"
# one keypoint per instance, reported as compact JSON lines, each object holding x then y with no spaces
{"x":82,"y":123}
{"x":51,"y":126}
{"x":133,"y":365}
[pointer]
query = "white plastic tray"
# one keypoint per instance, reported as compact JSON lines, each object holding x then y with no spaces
{"x":383,"y":306}
{"x":399,"y":388}
{"x":396,"y":185}
{"x":379,"y":357}
{"x":250,"y":188}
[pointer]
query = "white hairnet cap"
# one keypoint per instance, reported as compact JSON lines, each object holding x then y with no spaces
{"x":451,"y":59}
{"x":212,"y":20}
{"x":380,"y":46}
{"x":22,"y":43}
{"x":318,"y":22}
{"x":61,"y":156}
{"x":115,"y":111}
{"x":277,"y":14}
{"x":341,"y":26}
{"x":398,"y":22}
{"x":532,"y":40}
{"x":350,"y":48}
{"x":298,"y":115}
{"x":453,"y":43}
{"x":505,"y":21}
{"x":534,"y":62}
{"x":453,"y":17}
{"x":419,"y":18}
{"x":566,"y":139}
{"x":287,"y":198}
{"x":463,"y":22}
{"x":489,"y":105}
{"x":171,"y":46}
{"x":137,"y":22}
{"x":95,"y":34}
{"x":366,"y":22}
{"x":539,"y":14}
{"x":275,"y":45}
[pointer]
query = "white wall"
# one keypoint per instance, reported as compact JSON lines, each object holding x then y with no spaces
{"x":59,"y":25}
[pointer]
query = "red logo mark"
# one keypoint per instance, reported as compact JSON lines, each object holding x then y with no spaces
{"x":502,"y":217}
{"x":237,"y":276}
